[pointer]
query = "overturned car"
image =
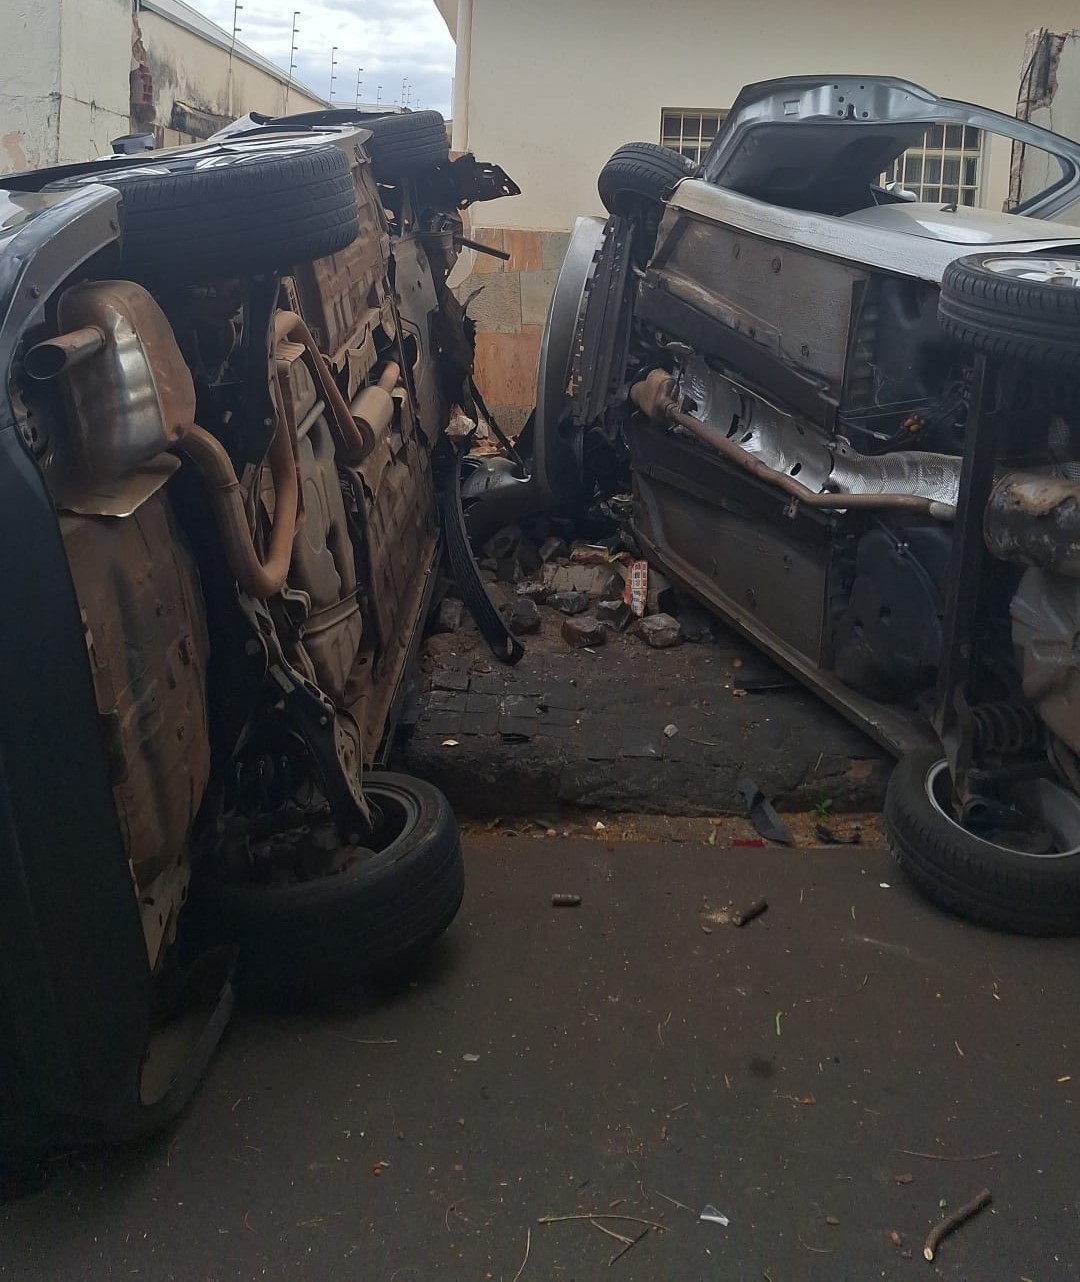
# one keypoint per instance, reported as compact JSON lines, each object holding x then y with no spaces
{"x":227,"y":374}
{"x":851,"y":422}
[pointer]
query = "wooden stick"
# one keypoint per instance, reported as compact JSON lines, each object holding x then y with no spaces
{"x":528,"y":1244}
{"x":619,"y":1237}
{"x":951,"y":1222}
{"x":748,"y":914}
{"x":628,"y":1247}
{"x":942,"y":1157}
{"x":600,"y":1215}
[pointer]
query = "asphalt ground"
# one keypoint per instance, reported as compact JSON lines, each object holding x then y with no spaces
{"x":636,"y":1056}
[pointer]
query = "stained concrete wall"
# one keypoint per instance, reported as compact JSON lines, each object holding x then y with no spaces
{"x":1050,"y":97}
{"x":550,"y":90}
{"x":190,"y":70}
{"x":63,"y":79}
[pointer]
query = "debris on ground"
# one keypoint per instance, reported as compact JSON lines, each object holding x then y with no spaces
{"x":712,"y":1216}
{"x":748,"y":914}
{"x":695,"y":623}
{"x":584,"y":630}
{"x":565,"y":901}
{"x":593,"y":580}
{"x":449,"y":616}
{"x":671,"y":730}
{"x":661,"y":631}
{"x":952,"y":1222}
{"x":569,"y":602}
{"x":553,"y":549}
{"x":903,"y":1179}
{"x":895,"y":1238}
{"x":763,"y":815}
{"x":660,"y":595}
{"x":615,"y":612}
{"x":533,"y":590}
{"x":830,"y":837}
{"x":522,"y":616}
{"x":636,"y":591}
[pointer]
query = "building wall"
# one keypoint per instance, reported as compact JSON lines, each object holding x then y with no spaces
{"x":190,"y":70}
{"x":63,"y":79}
{"x":554,"y":88}
{"x":549,"y":90}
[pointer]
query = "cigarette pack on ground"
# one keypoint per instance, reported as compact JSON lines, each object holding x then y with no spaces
{"x":636,"y":591}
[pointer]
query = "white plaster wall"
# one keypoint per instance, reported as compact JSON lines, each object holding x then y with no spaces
{"x":29,"y":84}
{"x":554,"y":88}
{"x":191,"y":70}
{"x":95,"y":62}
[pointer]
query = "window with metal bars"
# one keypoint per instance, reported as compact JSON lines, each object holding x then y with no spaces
{"x":690,"y":130}
{"x":945,"y":168}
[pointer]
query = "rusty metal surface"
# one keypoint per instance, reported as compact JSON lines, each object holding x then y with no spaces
{"x":133,"y":398}
{"x":1046,"y":621}
{"x":343,"y":298}
{"x":1034,"y":519}
{"x":138,"y":588}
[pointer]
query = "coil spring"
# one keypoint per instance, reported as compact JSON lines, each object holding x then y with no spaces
{"x":1006,"y":727}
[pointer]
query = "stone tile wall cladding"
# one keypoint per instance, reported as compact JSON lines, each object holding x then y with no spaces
{"x":510,"y":312}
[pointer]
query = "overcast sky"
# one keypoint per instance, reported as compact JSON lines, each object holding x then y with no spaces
{"x":390,"y":39}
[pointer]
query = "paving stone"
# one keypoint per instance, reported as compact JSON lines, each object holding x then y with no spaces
{"x":522,"y":616}
{"x":561,"y":717}
{"x":485,"y":723}
{"x":660,"y":631}
{"x":446,"y":701}
{"x":447,"y":679}
{"x":482,"y":702}
{"x":449,"y":616}
{"x":569,"y":602}
{"x":517,"y":727}
{"x":516,"y":705}
{"x":638,"y":741}
{"x":562,"y":694}
{"x":490,"y":682}
{"x":584,"y":630}
{"x":442,"y":723}
{"x":598,"y":748}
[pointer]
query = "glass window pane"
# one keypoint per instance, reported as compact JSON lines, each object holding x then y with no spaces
{"x":967,"y":197}
{"x":972,"y":138}
{"x":950,"y":170}
{"x":932,"y":170}
{"x":954,"y":135}
{"x":935,"y":137}
{"x":971,"y":172}
{"x":912,"y":169}
{"x":950,"y":195}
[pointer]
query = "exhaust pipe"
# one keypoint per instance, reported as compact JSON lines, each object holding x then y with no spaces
{"x":55,"y":355}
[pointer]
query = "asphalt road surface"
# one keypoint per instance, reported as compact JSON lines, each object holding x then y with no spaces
{"x":634,"y":1057}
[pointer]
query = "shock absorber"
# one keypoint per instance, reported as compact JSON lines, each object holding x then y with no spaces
{"x":1006,"y":728}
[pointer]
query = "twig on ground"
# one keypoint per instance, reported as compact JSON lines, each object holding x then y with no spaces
{"x":943,"y":1157}
{"x":952,"y":1222}
{"x":628,"y":1247}
{"x":619,"y":1237}
{"x":676,"y":1202}
{"x":452,"y":1208}
{"x":528,"y":1244}
{"x":600,"y":1215}
{"x":660,"y":1028}
{"x":817,"y":1250}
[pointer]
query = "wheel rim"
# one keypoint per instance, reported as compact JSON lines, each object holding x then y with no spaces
{"x":1063,"y":273}
{"x":1055,"y":808}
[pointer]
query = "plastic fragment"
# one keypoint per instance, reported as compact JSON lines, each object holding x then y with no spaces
{"x":712,"y":1216}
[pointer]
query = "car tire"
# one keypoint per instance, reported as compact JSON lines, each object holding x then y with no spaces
{"x":247,"y":213}
{"x":372,"y":920}
{"x":966,"y":875}
{"x":404,"y":145}
{"x":1008,"y":307}
{"x":641,"y":172}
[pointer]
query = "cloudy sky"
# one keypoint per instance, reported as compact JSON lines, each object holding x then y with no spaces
{"x":390,"y":39}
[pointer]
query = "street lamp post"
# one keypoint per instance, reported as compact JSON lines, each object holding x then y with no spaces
{"x":333,"y":72}
{"x":292,"y":56}
{"x":359,"y":83}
